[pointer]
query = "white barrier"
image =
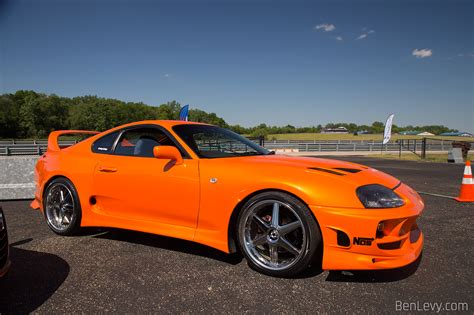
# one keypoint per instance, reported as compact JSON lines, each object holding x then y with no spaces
{"x":17,"y":177}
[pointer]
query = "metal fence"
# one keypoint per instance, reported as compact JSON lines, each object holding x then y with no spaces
{"x":28,"y":147}
{"x":359,"y":145}
{"x":331,"y":147}
{"x":38,"y":147}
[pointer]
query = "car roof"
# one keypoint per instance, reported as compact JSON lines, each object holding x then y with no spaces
{"x":165,"y":123}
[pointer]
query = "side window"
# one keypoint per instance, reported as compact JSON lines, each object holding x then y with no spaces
{"x":141,"y":141}
{"x":104,"y":145}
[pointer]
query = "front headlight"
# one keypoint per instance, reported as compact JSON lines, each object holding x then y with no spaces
{"x":378,"y":196}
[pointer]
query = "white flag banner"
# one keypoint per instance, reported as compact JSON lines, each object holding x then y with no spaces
{"x":388,"y":129}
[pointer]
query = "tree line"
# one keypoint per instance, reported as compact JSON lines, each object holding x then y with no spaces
{"x":28,"y":114}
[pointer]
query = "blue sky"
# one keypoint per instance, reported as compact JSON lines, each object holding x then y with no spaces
{"x":287,"y":62}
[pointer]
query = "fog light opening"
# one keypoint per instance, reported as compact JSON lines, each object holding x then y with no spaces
{"x":380,"y":227}
{"x":343,"y":239}
{"x":380,"y":230}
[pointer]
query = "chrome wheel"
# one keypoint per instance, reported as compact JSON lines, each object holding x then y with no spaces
{"x":274,"y":235}
{"x":59,"y":207}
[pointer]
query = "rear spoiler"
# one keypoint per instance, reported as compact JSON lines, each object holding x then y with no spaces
{"x":53,"y":144}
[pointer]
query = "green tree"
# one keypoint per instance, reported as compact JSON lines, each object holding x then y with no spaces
{"x":259,"y":132}
{"x":198,"y":115}
{"x":30,"y":114}
{"x":29,"y":122}
{"x":377,"y":127}
{"x":169,"y":110}
{"x":239,"y":129}
{"x":9,"y":117}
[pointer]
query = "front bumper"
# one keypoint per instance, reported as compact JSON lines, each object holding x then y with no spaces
{"x":368,"y":239}
{"x":35,"y":204}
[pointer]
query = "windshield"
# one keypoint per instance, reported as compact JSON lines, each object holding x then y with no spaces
{"x":214,"y":142}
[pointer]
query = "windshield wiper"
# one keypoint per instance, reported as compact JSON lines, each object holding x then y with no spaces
{"x":250,"y":153}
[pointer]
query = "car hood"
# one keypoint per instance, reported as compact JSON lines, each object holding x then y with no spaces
{"x":319,"y":182}
{"x":350,"y":173}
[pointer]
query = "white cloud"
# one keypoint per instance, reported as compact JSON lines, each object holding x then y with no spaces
{"x":167,"y":75}
{"x":339,"y":38}
{"x":365,"y":33}
{"x":325,"y":27}
{"x":422,"y":53}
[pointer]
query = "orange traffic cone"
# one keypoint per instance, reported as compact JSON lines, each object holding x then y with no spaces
{"x":467,"y":187}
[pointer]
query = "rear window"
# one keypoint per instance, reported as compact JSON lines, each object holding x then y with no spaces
{"x":104,"y":145}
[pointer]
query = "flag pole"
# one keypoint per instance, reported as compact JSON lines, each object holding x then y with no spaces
{"x":387,"y":133}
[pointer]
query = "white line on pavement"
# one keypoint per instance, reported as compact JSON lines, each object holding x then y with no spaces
{"x":22,"y":185}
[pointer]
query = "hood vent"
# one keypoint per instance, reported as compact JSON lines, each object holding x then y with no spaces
{"x":340,"y":171}
{"x":348,"y":170}
{"x":326,"y":170}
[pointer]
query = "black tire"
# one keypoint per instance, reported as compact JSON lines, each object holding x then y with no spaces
{"x":74,"y":224}
{"x":307,"y":228}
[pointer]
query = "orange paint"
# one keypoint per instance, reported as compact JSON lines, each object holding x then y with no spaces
{"x":194,"y":198}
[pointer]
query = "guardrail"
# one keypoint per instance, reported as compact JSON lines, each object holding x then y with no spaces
{"x":360,"y":146}
{"x":38,"y":147}
{"x":417,"y":146}
{"x":21,"y":149}
{"x":333,"y":147}
{"x":321,"y":141}
{"x":28,"y":147}
{"x":12,"y":142}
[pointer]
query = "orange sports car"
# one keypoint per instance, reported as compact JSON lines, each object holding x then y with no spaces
{"x":209,"y":185}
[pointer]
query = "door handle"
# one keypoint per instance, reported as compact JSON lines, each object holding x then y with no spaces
{"x":106,"y":169}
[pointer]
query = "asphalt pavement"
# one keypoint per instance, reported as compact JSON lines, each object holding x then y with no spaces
{"x":108,"y":270}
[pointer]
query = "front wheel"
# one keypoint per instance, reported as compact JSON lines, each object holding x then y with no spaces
{"x":61,"y":207}
{"x":278,"y":234}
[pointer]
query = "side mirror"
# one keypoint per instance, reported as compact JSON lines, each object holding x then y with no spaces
{"x":168,"y":152}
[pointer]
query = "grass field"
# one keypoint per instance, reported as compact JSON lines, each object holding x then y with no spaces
{"x":328,"y":136}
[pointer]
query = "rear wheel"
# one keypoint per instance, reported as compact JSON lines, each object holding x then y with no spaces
{"x":278,"y":234}
{"x":61,"y":207}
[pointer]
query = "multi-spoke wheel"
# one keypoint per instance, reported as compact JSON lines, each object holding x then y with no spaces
{"x":277,"y":234}
{"x":61,"y":207}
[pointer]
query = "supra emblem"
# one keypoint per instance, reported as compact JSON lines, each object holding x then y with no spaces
{"x":213,"y":180}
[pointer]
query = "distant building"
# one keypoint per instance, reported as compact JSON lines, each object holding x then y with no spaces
{"x":335,"y":130}
{"x":456,"y":134}
{"x":416,"y":133}
{"x":425,"y":133}
{"x":409,"y":133}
